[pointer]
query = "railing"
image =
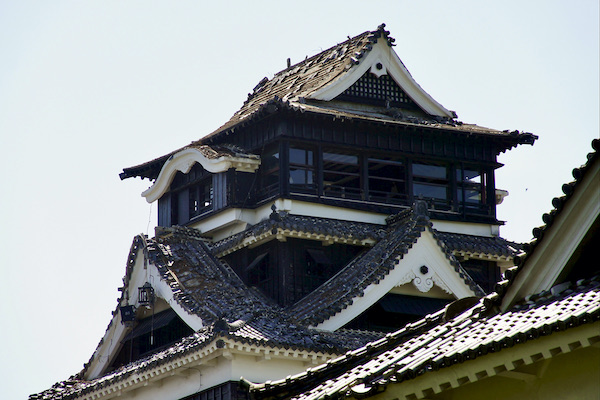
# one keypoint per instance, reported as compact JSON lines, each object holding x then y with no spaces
{"x":343,"y":192}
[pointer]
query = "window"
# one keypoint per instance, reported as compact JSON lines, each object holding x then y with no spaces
{"x":484,"y":273}
{"x":430,"y":181}
{"x":341,"y":175}
{"x":200,"y":197}
{"x":387,"y":180}
{"x":302,"y":170}
{"x":259,"y":274}
{"x":318,"y":270}
{"x":269,"y":172}
{"x":190,"y":195}
{"x":470,"y":190}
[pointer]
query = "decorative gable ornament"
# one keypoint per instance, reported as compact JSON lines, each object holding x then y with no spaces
{"x":423,"y":278}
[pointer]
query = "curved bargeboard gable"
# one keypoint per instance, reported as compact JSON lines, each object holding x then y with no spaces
{"x":183,"y":161}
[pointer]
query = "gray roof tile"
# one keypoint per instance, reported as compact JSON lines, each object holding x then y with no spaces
{"x":409,"y":353}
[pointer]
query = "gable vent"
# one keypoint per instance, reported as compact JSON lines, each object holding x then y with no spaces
{"x":382,"y":91}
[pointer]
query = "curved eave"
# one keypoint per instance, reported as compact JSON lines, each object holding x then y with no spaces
{"x":506,"y":140}
{"x":183,"y":161}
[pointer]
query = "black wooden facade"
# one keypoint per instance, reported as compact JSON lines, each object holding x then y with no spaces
{"x":346,"y":163}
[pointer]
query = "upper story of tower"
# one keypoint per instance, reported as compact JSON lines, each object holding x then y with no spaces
{"x":346,"y":134}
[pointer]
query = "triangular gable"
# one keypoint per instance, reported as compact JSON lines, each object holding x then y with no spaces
{"x":410,"y":254}
{"x":139,"y":271}
{"x":186,"y":277}
{"x":377,"y":57}
{"x":425,"y":266}
{"x":568,"y":241}
{"x":379,"y":90}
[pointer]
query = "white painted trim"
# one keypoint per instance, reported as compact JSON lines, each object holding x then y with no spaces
{"x":183,"y":161}
{"x":235,"y":220}
{"x":142,"y":272}
{"x":493,"y":364}
{"x":384,"y":54}
{"x":208,"y":366}
{"x":560,"y":241}
{"x":465,"y":228}
{"x":426,"y":252}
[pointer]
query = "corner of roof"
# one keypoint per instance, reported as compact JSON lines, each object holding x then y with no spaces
{"x":140,"y":242}
{"x":558,"y":203}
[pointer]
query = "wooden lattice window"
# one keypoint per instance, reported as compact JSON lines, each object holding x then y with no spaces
{"x":382,"y":91}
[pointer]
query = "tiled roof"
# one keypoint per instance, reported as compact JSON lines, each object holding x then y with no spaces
{"x":262,"y":331}
{"x":300,"y":79}
{"x":199,"y":280}
{"x":209,"y":288}
{"x":538,"y":233}
{"x":372,"y":266}
{"x":289,"y":89}
{"x":480,"y":245}
{"x":474,"y":333}
{"x":318,"y":228}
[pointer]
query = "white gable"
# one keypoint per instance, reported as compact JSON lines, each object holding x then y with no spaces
{"x":425,"y":266}
{"x":560,"y":242}
{"x":383,"y":60}
{"x":110,"y":344}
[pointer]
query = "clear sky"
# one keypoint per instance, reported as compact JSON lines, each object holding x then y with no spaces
{"x":87,"y":88}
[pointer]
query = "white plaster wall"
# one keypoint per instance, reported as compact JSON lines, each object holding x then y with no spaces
{"x":466,"y":228}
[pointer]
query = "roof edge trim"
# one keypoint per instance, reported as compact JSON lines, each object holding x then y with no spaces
{"x":183,"y":161}
{"x":382,"y":53}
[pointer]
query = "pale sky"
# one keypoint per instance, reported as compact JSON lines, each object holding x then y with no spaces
{"x":87,"y":88}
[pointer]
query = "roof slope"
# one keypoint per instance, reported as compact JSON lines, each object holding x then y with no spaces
{"x":296,"y":89}
{"x":405,"y":355}
{"x":325,"y":229}
{"x":464,"y":335}
{"x":544,"y":233}
{"x":262,"y":331}
{"x":372,"y":266}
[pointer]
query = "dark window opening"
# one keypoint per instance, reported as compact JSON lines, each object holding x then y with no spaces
{"x":150,"y":335}
{"x":225,"y":391}
{"x":189,"y":196}
{"x":200,"y":197}
{"x":259,"y":274}
{"x":341,"y":175}
{"x":387,"y":180}
{"x":485,"y":273}
{"x":393,"y":311}
{"x":471,"y":191}
{"x":319,"y":268}
{"x":287,"y":271}
{"x":269,"y":172}
{"x":302,"y":170}
{"x":430,"y":182}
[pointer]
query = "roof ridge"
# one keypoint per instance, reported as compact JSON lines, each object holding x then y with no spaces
{"x":538,"y":232}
